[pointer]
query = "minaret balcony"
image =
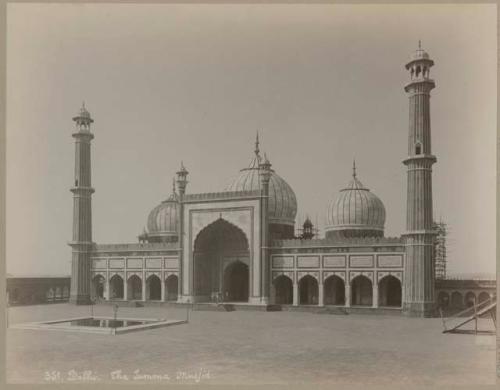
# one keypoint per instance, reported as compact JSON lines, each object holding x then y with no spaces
{"x":428,"y":84}
{"x":82,"y":190}
{"x":83,"y":134}
{"x":424,"y":158}
{"x":81,"y":244}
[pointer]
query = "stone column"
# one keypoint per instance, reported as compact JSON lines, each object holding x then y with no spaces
{"x":143,"y":298}
{"x":295,"y":294}
{"x":320,"y":294}
{"x":107,"y":289}
{"x":375,"y":294}
{"x":125,"y":289}
{"x":163,"y":290}
{"x":347,"y":294}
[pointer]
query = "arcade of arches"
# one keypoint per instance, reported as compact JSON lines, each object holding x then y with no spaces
{"x":133,"y":289}
{"x":459,"y":300}
{"x":220,"y":269}
{"x":334,"y":291}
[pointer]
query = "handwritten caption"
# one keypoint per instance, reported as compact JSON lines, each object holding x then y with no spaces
{"x":195,"y":376}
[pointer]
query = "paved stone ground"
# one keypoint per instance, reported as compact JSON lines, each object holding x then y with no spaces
{"x":251,"y":348}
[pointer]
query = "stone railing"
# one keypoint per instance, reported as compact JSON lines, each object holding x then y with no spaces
{"x":338,"y":241}
{"x":221,"y":195}
{"x":136,"y":247}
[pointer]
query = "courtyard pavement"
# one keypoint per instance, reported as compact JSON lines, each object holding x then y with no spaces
{"x":247,"y":347}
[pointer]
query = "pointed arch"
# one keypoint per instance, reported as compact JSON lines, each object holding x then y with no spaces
{"x":134,"y":287}
{"x":98,"y":286}
{"x":389,"y":291}
{"x":153,"y":288}
{"x":172,"y":287}
{"x":334,"y":290}
{"x":214,"y":244}
{"x":308,"y":290}
{"x":361,"y":291}
{"x":283,"y":290}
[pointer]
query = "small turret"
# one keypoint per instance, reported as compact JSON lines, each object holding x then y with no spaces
{"x":182,"y":179}
{"x":307,"y":230}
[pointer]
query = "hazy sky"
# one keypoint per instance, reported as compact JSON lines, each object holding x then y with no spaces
{"x":322,"y":83}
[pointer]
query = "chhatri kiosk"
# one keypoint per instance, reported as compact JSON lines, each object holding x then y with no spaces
{"x":239,"y":245}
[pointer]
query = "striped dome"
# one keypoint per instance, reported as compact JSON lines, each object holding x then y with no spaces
{"x":163,"y":220}
{"x":282,"y":200}
{"x":356,"y":209}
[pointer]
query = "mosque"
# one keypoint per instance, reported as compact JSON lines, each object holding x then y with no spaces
{"x":239,"y":245}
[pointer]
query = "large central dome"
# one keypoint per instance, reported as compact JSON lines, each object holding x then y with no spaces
{"x":356,"y":212}
{"x":282,"y":200}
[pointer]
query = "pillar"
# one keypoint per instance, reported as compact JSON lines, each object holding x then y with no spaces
{"x":143,"y":285}
{"x":125,"y":288}
{"x":295,"y":294}
{"x":347,"y":294}
{"x":107,"y":289}
{"x":419,"y":275}
{"x":163,"y":289}
{"x":320,"y":294}
{"x":82,"y":190}
{"x":375,"y":294}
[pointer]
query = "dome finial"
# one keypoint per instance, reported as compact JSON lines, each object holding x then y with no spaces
{"x":419,"y":44}
{"x":173,"y":185}
{"x":354,"y":168}
{"x":257,"y":151}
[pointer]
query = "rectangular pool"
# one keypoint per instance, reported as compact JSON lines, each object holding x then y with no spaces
{"x":103,"y":325}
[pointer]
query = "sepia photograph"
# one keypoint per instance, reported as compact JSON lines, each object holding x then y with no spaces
{"x":251,"y":194}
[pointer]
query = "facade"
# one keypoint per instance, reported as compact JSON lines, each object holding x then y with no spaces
{"x":238,"y":245}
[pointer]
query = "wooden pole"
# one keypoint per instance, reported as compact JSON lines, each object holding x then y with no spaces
{"x":475,"y":315}
{"x":442,"y":317}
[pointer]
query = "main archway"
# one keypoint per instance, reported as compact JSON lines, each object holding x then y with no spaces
{"x":218,"y":269}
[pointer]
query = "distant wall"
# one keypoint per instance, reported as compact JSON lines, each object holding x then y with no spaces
{"x":37,"y":290}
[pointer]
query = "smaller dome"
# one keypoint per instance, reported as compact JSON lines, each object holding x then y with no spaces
{"x":356,"y":212}
{"x":420,"y":54}
{"x":163,"y":221}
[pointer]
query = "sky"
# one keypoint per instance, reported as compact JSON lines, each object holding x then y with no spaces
{"x":323,"y":84}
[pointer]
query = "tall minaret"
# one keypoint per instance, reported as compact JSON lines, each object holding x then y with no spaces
{"x":264,"y":176}
{"x":419,"y":275}
{"x":82,"y":211}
